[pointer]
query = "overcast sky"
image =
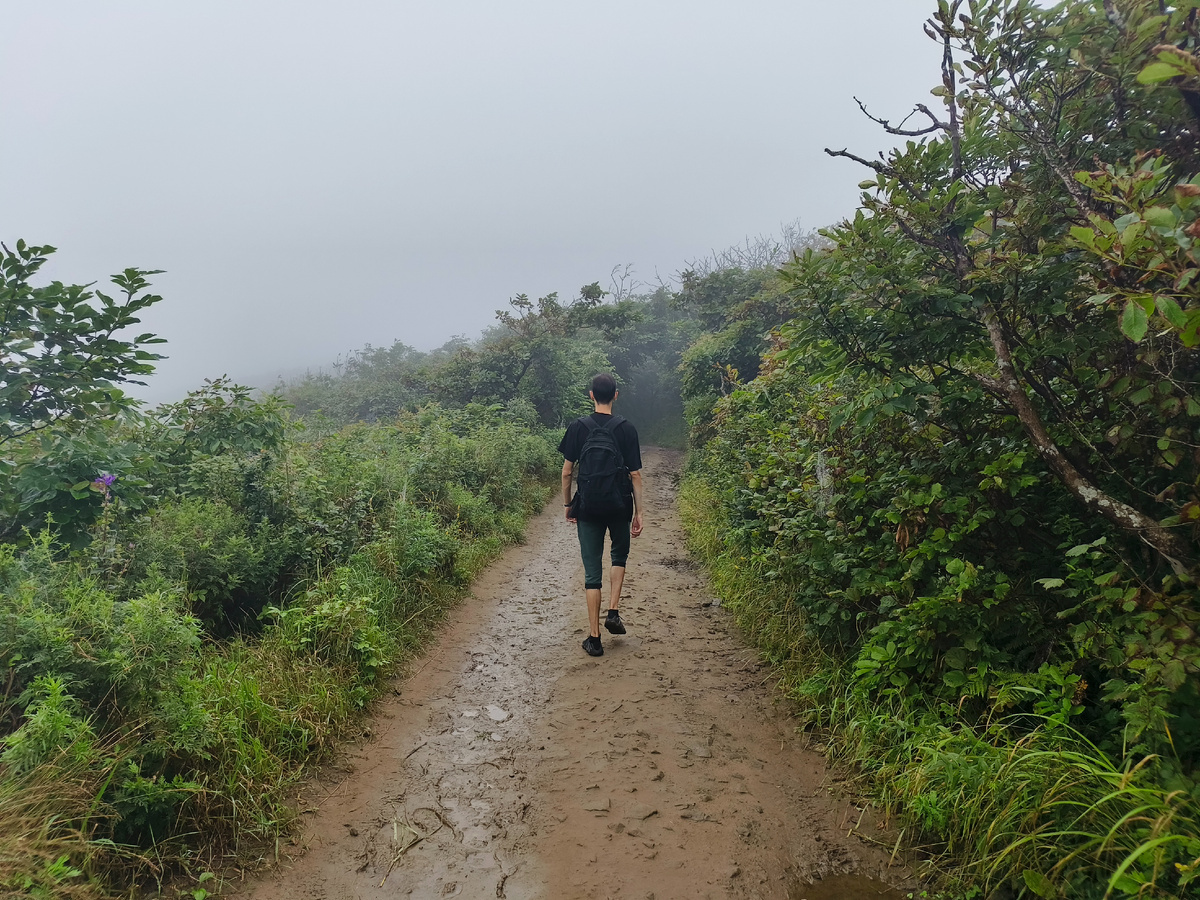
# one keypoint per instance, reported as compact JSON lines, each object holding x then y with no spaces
{"x":314,"y":177}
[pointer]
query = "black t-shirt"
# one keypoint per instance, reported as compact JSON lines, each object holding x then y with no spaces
{"x":626,"y":436}
{"x":627,"y":441}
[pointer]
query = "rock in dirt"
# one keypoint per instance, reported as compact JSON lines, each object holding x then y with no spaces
{"x":597,"y":804}
{"x":496,"y":714}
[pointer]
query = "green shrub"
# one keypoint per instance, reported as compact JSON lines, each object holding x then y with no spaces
{"x":226,"y":565}
{"x":53,"y":727}
{"x":342,"y":621}
{"x":1011,"y":803}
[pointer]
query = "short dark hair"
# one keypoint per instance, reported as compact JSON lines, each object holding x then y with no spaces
{"x":604,"y":388}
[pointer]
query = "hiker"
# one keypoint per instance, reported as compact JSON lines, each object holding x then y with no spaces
{"x":608,"y":499}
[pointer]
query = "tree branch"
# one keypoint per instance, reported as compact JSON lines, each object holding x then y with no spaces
{"x":1115,"y":511}
{"x":900,"y":129}
{"x":870,"y":164}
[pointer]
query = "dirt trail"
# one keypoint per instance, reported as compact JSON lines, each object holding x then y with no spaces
{"x":509,"y":764}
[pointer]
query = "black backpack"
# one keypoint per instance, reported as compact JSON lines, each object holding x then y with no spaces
{"x":604,"y":484}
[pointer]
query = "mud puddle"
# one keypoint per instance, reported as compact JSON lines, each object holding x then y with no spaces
{"x":510,"y":764}
{"x":848,"y":887}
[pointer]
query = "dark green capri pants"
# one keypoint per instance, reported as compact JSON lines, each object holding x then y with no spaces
{"x":591,"y":546}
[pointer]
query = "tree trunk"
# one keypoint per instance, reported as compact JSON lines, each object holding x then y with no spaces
{"x":1009,"y":386}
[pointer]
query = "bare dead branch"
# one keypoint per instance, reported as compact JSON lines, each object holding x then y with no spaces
{"x":900,"y":129}
{"x":953,"y":128}
{"x":870,"y":164}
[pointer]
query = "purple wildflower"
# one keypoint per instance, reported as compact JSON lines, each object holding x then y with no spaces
{"x":103,"y":483}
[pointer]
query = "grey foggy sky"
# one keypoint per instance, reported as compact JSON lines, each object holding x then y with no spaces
{"x":318,"y":176}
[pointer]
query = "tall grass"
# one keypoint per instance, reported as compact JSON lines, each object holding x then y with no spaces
{"x":1043,"y":812}
{"x":45,"y":822}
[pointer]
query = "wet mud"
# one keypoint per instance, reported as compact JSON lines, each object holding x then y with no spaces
{"x":509,"y":764}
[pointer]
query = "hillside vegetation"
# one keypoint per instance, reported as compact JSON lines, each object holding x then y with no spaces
{"x":960,"y":503}
{"x":944,"y":467}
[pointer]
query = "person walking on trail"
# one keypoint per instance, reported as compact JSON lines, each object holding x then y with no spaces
{"x":601,"y":452}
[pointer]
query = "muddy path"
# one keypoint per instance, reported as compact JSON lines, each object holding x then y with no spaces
{"x":510,"y":764}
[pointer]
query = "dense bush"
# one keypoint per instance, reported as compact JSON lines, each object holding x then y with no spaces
{"x":221,"y":561}
{"x":959,"y":500}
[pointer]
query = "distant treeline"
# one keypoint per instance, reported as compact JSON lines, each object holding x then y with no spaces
{"x":537,"y":360}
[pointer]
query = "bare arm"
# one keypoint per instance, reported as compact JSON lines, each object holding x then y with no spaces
{"x":636,"y":527}
{"x":567,"y":469}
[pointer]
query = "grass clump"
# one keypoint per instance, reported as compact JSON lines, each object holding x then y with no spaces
{"x":41,"y":849}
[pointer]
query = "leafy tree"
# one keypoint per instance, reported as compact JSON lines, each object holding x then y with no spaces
{"x":738,"y":309}
{"x":962,"y":280}
{"x":370,"y":385}
{"x":646,"y":361}
{"x":541,"y":351}
{"x":59,"y":348}
{"x":968,"y":468}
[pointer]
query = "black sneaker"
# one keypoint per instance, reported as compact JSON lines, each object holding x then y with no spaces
{"x":593,"y":646}
{"x":613,"y":622}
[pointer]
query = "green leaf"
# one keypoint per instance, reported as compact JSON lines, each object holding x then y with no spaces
{"x":955,"y":566}
{"x":1039,"y":884}
{"x":1169,"y":310}
{"x":1157,"y":72}
{"x":954,"y":679}
{"x":1160,"y":217}
{"x":1085,"y":236}
{"x":956,"y":658}
{"x":1125,"y":221}
{"x":1134,"y":322}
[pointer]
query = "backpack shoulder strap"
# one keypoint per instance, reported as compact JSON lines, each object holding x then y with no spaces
{"x":590,"y":423}
{"x":613,"y":424}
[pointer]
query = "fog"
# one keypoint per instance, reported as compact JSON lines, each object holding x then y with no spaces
{"x":316,"y":177}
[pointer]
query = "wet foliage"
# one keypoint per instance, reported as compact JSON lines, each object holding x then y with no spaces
{"x":966,"y":480}
{"x":180,"y":663}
